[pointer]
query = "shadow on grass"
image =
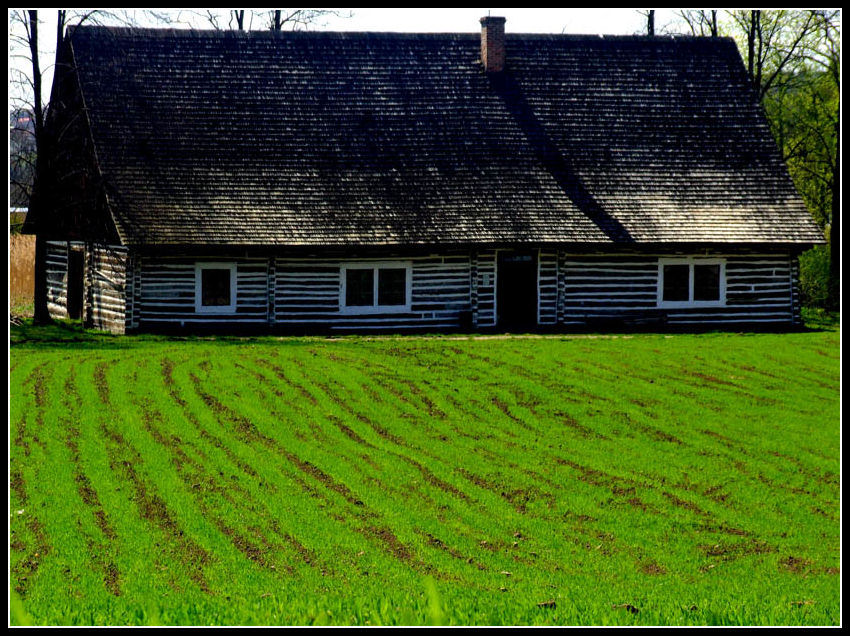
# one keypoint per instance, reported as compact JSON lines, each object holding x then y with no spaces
{"x":821,"y":320}
{"x":71,"y":334}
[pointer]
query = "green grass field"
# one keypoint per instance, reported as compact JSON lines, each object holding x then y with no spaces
{"x":646,"y":479}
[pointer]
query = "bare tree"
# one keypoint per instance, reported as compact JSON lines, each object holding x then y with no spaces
{"x":25,"y":42}
{"x":700,"y":22}
{"x":29,"y":22}
{"x":776,"y":42}
{"x":793,"y":61}
{"x":826,"y":54}
{"x":27,"y":93}
{"x":273,"y":19}
{"x":652,"y":27}
{"x":296,"y":19}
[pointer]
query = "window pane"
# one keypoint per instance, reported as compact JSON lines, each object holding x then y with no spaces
{"x":676,"y":282}
{"x":358,"y":287}
{"x":215,"y":287}
{"x":392,"y":286}
{"x":706,"y":282}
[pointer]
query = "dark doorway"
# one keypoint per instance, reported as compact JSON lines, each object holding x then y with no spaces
{"x":516,"y":290}
{"x":76,"y":260}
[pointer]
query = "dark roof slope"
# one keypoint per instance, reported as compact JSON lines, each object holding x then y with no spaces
{"x":382,"y":139}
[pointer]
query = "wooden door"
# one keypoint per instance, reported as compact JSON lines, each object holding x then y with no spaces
{"x":516,"y":290}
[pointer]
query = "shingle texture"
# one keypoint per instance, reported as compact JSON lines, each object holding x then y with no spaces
{"x":321,"y":138}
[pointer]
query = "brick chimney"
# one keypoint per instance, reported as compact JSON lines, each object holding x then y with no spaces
{"x":493,"y":44}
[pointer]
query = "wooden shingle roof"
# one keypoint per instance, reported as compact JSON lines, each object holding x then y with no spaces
{"x":318,"y":139}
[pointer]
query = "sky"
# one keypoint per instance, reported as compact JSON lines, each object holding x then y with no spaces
{"x":617,"y":21}
{"x":587,"y":21}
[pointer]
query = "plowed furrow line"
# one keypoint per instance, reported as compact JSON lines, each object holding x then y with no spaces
{"x":248,"y":433}
{"x":24,"y":571}
{"x":753,"y":467}
{"x":348,"y":432}
{"x":491,"y":367}
{"x":32,"y":538}
{"x":344,"y":402}
{"x":38,"y":378}
{"x":517,"y":498}
{"x":504,"y":409}
{"x":453,"y":552}
{"x":318,"y":430}
{"x":84,"y":485}
{"x":100,"y":552}
{"x":384,"y":376}
{"x":827,"y":478}
{"x":304,"y":416}
{"x":198,"y":481}
{"x":167,"y":368}
{"x":152,"y":509}
{"x":20,"y":432}
{"x":283,"y":377}
{"x":193,"y":473}
{"x":371,"y":372}
{"x":100,"y":381}
{"x":345,"y":405}
{"x":433,"y":480}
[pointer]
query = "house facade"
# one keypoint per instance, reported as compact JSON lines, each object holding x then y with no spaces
{"x":315,"y":182}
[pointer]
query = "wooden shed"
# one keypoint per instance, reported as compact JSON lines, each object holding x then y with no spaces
{"x":318,"y":181}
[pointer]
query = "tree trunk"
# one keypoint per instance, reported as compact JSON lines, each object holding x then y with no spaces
{"x":759,"y":53}
{"x":751,"y":47}
{"x":41,"y":314}
{"x":60,"y":28}
{"x":37,"y":110}
{"x":650,"y":22}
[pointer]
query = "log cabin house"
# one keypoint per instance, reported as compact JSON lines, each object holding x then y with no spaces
{"x":317,"y":181}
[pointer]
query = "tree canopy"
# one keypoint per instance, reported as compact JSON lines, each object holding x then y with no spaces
{"x":793,"y":60}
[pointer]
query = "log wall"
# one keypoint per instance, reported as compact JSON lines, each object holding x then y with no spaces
{"x":106,"y":279}
{"x":166,"y":295}
{"x":760,"y":288}
{"x":449,"y":291}
{"x":57,"y":279}
{"x":485,"y":282}
{"x":307,"y":292}
{"x":547,"y":287}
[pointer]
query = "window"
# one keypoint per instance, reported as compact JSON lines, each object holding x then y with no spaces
{"x":215,"y":288}
{"x":706,"y":282}
{"x":691,"y":282}
{"x":392,"y":286}
{"x":359,"y":288}
{"x":375,"y":287}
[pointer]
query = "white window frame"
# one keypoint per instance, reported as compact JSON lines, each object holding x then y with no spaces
{"x":200,"y":308}
{"x":375,"y":308}
{"x":691,"y":261}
